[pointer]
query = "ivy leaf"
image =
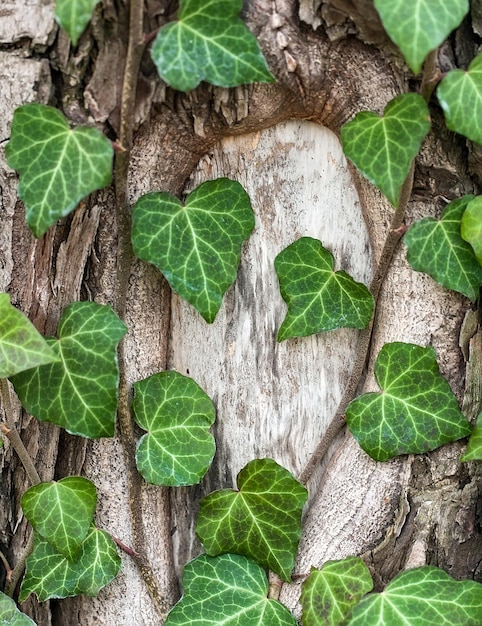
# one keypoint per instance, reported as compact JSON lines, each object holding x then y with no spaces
{"x":416,"y":411}
{"x":471,"y":226}
{"x":57,"y":166}
{"x":197,"y":247}
{"x":424,"y":596}
{"x":436,"y":247}
{"x":79,"y":392}
{"x":474,"y":447}
{"x":229,"y":590}
{"x":10,"y":615}
{"x":327,"y":595}
{"x":383,"y":148}
{"x":74,"y":15}
{"x":62,"y":512}
{"x":262,"y":520}
{"x":318,"y":298}
{"x":209,"y":42}
{"x":177,"y":413}
{"x":21,"y":345}
{"x":419,"y":26}
{"x":460,"y":96}
{"x":50,"y":575}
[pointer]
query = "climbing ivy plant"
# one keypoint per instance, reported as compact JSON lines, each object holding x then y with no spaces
{"x":73,"y":380}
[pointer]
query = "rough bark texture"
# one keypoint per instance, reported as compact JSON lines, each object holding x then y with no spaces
{"x":332,"y":59}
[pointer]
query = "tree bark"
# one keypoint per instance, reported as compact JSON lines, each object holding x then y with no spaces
{"x":331,"y":60}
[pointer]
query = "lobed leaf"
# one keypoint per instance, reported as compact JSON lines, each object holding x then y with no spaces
{"x":229,"y":590}
{"x":318,"y":298}
{"x":62,"y":512}
{"x":471,"y":226}
{"x":57,"y":166}
{"x":74,"y":15}
{"x":178,"y":414}
{"x":21,"y":345}
{"x":416,"y":411}
{"x":460,"y":96}
{"x":384,"y":148}
{"x":10,"y":615}
{"x":436,"y":247}
{"x":197,"y":247}
{"x":79,"y":392}
{"x":474,"y":446}
{"x":328,"y":594}
{"x":262,"y":520}
{"x":419,"y":26}
{"x":209,"y":42}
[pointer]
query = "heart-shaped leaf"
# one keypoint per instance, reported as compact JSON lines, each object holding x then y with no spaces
{"x":474,"y":447}
{"x":423,"y":596}
{"x":10,"y":615}
{"x":416,"y":411}
{"x":419,"y":26}
{"x":318,"y":298}
{"x":229,"y":590}
{"x":74,"y":15}
{"x":197,"y":247}
{"x":436,"y":247}
{"x":57,"y":166}
{"x":328,"y":594}
{"x":460,"y":96}
{"x":50,"y":575}
{"x":178,"y":414}
{"x":471,"y":226}
{"x":208,"y":42}
{"x":262,"y":520}
{"x":21,"y":345}
{"x":62,"y":512}
{"x":383,"y":148}
{"x":79,"y":392}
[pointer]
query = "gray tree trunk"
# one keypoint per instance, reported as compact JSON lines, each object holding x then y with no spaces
{"x":332,"y":60}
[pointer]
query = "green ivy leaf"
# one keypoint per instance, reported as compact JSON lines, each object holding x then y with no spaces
{"x":460,"y":96}
{"x":10,"y":615}
{"x":178,"y":414}
{"x":262,"y":520}
{"x":74,"y":15}
{"x":62,"y":512}
{"x":57,"y":166}
{"x":21,"y":345}
{"x":419,"y":26}
{"x":423,"y":596}
{"x":416,"y":411}
{"x":79,"y":392}
{"x":327,"y":595}
{"x":209,"y":42}
{"x":436,"y":247}
{"x":229,"y":590}
{"x":474,"y":447}
{"x":471,"y":226}
{"x":197,"y":247}
{"x":383,"y":148}
{"x":318,"y":298}
{"x":50,"y":575}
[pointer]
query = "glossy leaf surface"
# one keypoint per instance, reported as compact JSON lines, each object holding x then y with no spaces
{"x":74,"y":15}
{"x":50,"y":575}
{"x":10,"y":615}
{"x":422,"y":596}
{"x":329,"y":593}
{"x":197,"y":246}
{"x":416,"y":410}
{"x":474,"y":447}
{"x":230,"y":590}
{"x":318,"y":298}
{"x":62,"y":512}
{"x":262,"y":520}
{"x":436,"y":247}
{"x":419,"y":26}
{"x":383,"y":148}
{"x":460,"y":96}
{"x":178,"y":448}
{"x":209,"y":42}
{"x":57,"y":166}
{"x":21,"y":345}
{"x":79,"y":392}
{"x":471,"y":226}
